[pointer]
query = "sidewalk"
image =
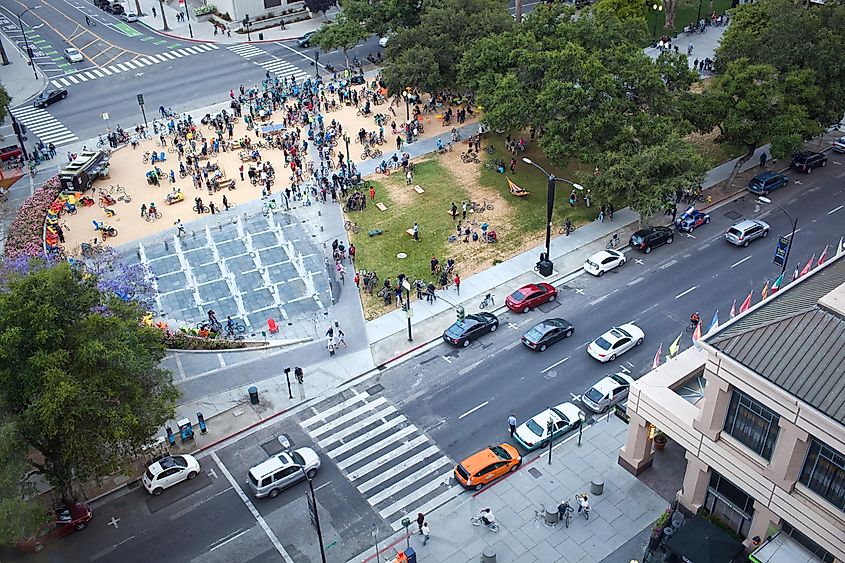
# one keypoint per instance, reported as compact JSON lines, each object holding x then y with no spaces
{"x":194,"y":30}
{"x":703,"y":44}
{"x":624,"y":510}
{"x":18,"y":79}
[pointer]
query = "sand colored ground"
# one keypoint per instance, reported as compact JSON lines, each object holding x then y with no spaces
{"x":128,"y":171}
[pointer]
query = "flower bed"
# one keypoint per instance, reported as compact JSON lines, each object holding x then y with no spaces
{"x":178,"y":340}
{"x":27,"y":230}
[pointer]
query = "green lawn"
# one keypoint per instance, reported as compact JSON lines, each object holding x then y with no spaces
{"x":686,"y":13}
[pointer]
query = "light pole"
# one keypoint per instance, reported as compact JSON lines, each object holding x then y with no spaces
{"x":550,"y":427}
{"x":794,"y":222}
{"x":188,"y":19}
{"x":656,"y":8}
{"x":407,"y":285}
{"x":545,"y":265}
{"x":406,"y":95}
{"x":246,"y":25}
{"x":287,"y":376}
{"x":317,"y":65}
{"x":316,"y":514}
{"x":698,"y":17}
{"x":26,"y":41}
{"x":375,"y":542}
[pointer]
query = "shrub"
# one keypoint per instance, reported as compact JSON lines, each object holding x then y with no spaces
{"x":27,"y":230}
{"x":205,"y":10}
{"x":182,"y":341}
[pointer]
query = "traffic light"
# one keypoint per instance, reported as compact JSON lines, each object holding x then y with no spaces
{"x":461,"y":315}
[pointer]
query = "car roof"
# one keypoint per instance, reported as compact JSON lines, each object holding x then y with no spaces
{"x":608,"y":384}
{"x":568,"y":409}
{"x":480,"y":460}
{"x":602,"y":254}
{"x":276,"y":462}
{"x":747,"y":224}
{"x":528,"y":288}
{"x":164,"y":463}
{"x":765,"y":175}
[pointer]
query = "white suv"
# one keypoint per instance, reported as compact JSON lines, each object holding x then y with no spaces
{"x":169,"y":471}
{"x":609,"y":391}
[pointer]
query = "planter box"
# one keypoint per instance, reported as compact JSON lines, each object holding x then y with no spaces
{"x":268,"y":23}
{"x":205,"y":18}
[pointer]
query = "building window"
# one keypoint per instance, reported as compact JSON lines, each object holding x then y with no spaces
{"x":815,"y":548}
{"x":729,"y":503}
{"x":824,"y":473}
{"x":272,"y":4}
{"x":752,"y":424}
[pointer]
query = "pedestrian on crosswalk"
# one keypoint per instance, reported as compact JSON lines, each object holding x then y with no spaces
{"x":420,"y":521}
{"x":426,"y":532}
{"x":512,"y":424}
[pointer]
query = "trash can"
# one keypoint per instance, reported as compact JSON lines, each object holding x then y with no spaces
{"x":488,"y":555}
{"x":596,"y":487}
{"x":253,"y":395}
{"x":545,"y":268}
{"x":411,"y":555}
{"x":261,"y":37}
{"x":551,"y":516}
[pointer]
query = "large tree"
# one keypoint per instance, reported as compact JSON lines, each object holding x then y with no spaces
{"x":79,"y":377}
{"x":18,"y":516}
{"x":5,"y":100}
{"x":343,"y":33}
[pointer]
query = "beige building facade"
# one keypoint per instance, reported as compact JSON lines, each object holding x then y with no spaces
{"x":759,"y":408}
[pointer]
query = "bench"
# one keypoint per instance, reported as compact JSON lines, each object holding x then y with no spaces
{"x":419,"y":189}
{"x":272,"y":326}
{"x":519,"y":193}
{"x":381,"y":206}
{"x":410,"y":232}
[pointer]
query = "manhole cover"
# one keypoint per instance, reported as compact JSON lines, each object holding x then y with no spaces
{"x":547,"y":307}
{"x":377,"y":388}
{"x":272,"y":447}
{"x":733,"y":215}
{"x":536,"y":473}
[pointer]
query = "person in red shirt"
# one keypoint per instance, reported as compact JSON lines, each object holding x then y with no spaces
{"x":458,"y":283}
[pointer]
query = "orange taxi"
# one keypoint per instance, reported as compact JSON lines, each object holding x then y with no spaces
{"x":486,"y":466}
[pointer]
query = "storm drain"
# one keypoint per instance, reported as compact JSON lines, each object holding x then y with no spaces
{"x":536,"y":473}
{"x":733,"y":215}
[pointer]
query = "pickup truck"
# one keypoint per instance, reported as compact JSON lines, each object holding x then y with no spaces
{"x":10,"y":152}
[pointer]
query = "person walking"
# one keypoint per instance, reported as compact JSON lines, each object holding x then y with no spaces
{"x":567,"y":227}
{"x":458,"y":283}
{"x":464,"y":209}
{"x":610,"y":211}
{"x":512,"y":424}
{"x":409,"y":177}
{"x":426,"y":532}
{"x":143,"y":210}
{"x":154,"y":11}
{"x":372,"y":193}
{"x":416,"y":232}
{"x":225,"y":203}
{"x":420,"y":521}
{"x":341,"y":338}
{"x":454,"y":211}
{"x":601,"y":214}
{"x":212,"y":207}
{"x":398,"y":143}
{"x":513,"y":165}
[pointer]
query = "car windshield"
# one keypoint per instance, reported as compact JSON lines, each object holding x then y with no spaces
{"x":619,"y":379}
{"x":594,"y":395}
{"x":621,"y":332}
{"x":500,"y":452}
{"x":535,"y":334}
{"x":637,"y":239}
{"x":517,"y":296}
{"x":534,"y":427}
{"x":297,"y":458}
{"x":179,"y":461}
{"x":602,"y":343}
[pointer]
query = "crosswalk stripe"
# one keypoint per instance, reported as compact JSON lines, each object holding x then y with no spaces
{"x":355,"y":442}
{"x":121,"y":67}
{"x":177,"y":53}
{"x":72,"y":79}
{"x":106,"y":71}
{"x":131,"y":65}
{"x":415,"y":495}
{"x":97,"y":72}
{"x":397,"y":469}
{"x":148,"y":60}
{"x":169,"y":56}
{"x":439,"y":500}
{"x":57,"y":84}
{"x":189,"y":51}
{"x":158,"y":58}
{"x":212,"y":45}
{"x":364,"y":454}
{"x":335,"y":422}
{"x":427,"y":470}
{"x":331,"y":411}
{"x":82,"y":77}
{"x":115,"y":70}
{"x":388,"y":457}
{"x":352,"y":429}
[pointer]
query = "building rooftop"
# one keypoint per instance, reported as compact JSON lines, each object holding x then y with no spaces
{"x":796,"y":339}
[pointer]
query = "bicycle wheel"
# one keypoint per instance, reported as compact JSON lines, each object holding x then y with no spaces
{"x":489,"y":207}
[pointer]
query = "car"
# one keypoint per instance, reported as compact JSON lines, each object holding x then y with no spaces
{"x":839,"y":145}
{"x":305,"y":40}
{"x":766,"y":182}
{"x":281,"y":471}
{"x":484,"y":467}
{"x":610,"y":391}
{"x":616,"y":342}
{"x":547,"y":332}
{"x":64,"y":520}
{"x":463,"y":332}
{"x":807,"y":161}
{"x":604,"y":261}
{"x":648,"y":238}
{"x":73,"y":55}
{"x":11,"y":152}
{"x":48,"y":97}
{"x":169,"y":471}
{"x":382,"y":42}
{"x":690,"y":219}
{"x":102,"y":4}
{"x":742,"y":233}
{"x":529,"y":296}
{"x":115,"y":8}
{"x":534,"y":432}
{"x":129,"y":17}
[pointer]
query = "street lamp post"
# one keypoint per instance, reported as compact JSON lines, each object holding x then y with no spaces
{"x":375,"y":542}
{"x":26,"y":41}
{"x":246,"y":25}
{"x":698,"y":17}
{"x":287,"y":376}
{"x":188,"y":19}
{"x":317,"y":65}
{"x":316,"y":514}
{"x":545,"y":258}
{"x":407,"y":285}
{"x":656,"y":8}
{"x":794,"y":222}
{"x":550,"y":427}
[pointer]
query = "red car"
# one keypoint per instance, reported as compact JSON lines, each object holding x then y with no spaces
{"x":65,"y":520}
{"x":527,"y":297}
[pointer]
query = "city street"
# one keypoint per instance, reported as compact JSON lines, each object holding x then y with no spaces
{"x":389,"y":443}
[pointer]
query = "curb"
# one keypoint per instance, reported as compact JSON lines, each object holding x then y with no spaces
{"x":223,"y":43}
{"x":263,"y":346}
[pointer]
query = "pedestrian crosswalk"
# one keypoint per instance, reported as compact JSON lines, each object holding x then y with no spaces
{"x":135,"y":64}
{"x":279,"y":67}
{"x":393,"y":464}
{"x":43,"y":125}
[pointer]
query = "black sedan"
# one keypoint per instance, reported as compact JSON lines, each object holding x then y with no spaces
{"x":651,"y":237}
{"x":48,"y":97}
{"x":463,"y":332}
{"x":547,"y":332}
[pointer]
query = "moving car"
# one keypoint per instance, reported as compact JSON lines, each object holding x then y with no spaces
{"x":742,"y":233}
{"x":839,"y":145}
{"x":529,"y":296}
{"x":129,"y":17}
{"x":169,"y":471}
{"x":807,"y":161}
{"x":547,"y":332}
{"x":48,"y":97}
{"x":305,"y":40}
{"x":603,"y":261}
{"x":282,"y":470}
{"x":463,"y":332}
{"x":534,"y":432}
{"x":651,"y":237}
{"x":766,"y":182}
{"x":616,"y":342}
{"x":486,"y":466}
{"x":63,"y":521}
{"x":690,"y":219}
{"x":609,"y":391}
{"x":73,"y":55}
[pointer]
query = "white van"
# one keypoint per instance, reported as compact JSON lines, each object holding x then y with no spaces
{"x":281,"y":471}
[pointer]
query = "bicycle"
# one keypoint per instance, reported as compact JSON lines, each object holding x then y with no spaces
{"x":470,"y":157}
{"x":268,"y":206}
{"x":477,"y":521}
{"x":562,"y":230}
{"x":350,"y":226}
{"x":487,"y":301}
{"x":152,"y":216}
{"x":567,"y":512}
{"x":480,"y":207}
{"x":613,"y":242}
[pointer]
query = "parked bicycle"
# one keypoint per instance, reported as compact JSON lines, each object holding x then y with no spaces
{"x":613,"y":242}
{"x":487,"y":301}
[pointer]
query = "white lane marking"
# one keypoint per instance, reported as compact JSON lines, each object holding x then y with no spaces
{"x":326,"y":484}
{"x":685,"y":292}
{"x":835,"y":209}
{"x":595,"y":302}
{"x":839,"y":175}
{"x":110,"y":549}
{"x":258,"y":518}
{"x":554,"y":365}
{"x":634,"y":282}
{"x":798,"y":230}
{"x":668,"y":264}
{"x":472,"y":410}
{"x":228,"y":540}
{"x":194,"y":506}
{"x":740,"y":262}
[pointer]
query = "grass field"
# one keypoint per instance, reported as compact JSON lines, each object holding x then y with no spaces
{"x":686,"y":13}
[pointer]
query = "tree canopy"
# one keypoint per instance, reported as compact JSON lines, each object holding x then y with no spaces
{"x":343,"y":33}
{"x":4,"y":103}
{"x":80,"y":382}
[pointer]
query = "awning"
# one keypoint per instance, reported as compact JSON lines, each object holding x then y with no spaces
{"x":782,"y":549}
{"x":700,"y":541}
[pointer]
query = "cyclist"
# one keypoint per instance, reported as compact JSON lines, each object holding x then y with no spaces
{"x":695,"y":319}
{"x":440,"y":147}
{"x":487,"y":517}
{"x":230,"y":326}
{"x":87,"y":21}
{"x":212,"y":318}
{"x":152,"y":210}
